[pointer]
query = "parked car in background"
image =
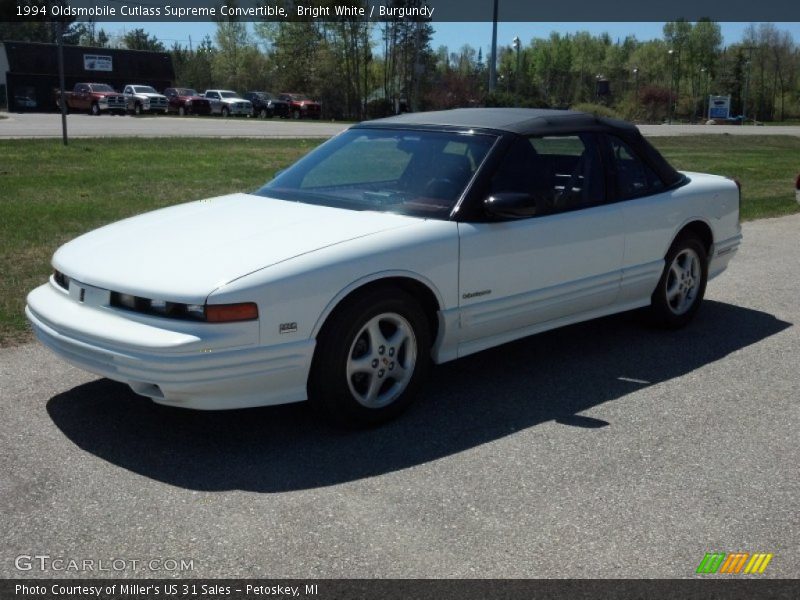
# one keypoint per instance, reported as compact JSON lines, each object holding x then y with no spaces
{"x":186,"y":101}
{"x":144,"y":98}
{"x":24,"y":102}
{"x":265,"y":105}
{"x":301,"y":106}
{"x":400,"y":242}
{"x":228,"y":103}
{"x":96,"y":98}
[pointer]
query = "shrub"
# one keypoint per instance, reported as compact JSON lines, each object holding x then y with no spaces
{"x":597,"y":110}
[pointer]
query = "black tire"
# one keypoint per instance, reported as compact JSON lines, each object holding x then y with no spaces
{"x":296,"y":114}
{"x":330,"y":390}
{"x":94,"y":110}
{"x":225,"y":112}
{"x":137,"y":109}
{"x":671,"y":309}
{"x":181,"y":111}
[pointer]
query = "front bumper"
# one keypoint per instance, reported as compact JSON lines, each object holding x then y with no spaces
{"x":236,"y":110}
{"x":174,"y":363}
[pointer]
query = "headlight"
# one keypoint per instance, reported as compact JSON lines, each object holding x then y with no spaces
{"x":209,"y":313}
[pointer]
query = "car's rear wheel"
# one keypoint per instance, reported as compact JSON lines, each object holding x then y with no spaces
{"x":680,"y":290}
{"x":371,"y":358}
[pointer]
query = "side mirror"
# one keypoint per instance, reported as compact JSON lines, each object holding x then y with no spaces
{"x":510,"y":205}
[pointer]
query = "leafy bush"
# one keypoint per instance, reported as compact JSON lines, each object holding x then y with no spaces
{"x":596,"y":109}
{"x":498,"y":98}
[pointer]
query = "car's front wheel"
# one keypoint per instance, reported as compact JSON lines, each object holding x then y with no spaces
{"x":680,"y":290}
{"x":371,"y":358}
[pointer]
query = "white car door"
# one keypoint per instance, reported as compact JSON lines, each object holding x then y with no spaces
{"x":522,"y":275}
{"x":215,"y":101}
{"x":651,"y":214}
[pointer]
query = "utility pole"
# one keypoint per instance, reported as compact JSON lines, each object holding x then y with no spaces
{"x":747,"y":82}
{"x":493,"y":57}
{"x":62,"y":96}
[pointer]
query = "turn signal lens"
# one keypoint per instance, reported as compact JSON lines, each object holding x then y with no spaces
{"x":227,"y":313}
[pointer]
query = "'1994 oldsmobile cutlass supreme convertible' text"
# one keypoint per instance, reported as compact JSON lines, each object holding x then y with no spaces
{"x":400,"y":242}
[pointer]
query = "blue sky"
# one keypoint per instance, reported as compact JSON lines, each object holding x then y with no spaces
{"x":455,"y":35}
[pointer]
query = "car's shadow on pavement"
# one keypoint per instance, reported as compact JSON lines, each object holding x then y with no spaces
{"x":466,"y":403}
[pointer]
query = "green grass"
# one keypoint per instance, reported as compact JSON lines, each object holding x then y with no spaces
{"x":765,"y":165}
{"x":50,"y":194}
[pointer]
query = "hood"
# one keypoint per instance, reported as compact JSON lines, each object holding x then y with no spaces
{"x":233,"y":100}
{"x":184,"y":252}
{"x":150,"y":95}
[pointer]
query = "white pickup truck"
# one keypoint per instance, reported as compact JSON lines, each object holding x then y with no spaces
{"x":144,"y":98}
{"x":227,"y":103}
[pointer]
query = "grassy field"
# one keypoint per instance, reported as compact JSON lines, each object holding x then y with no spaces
{"x":49,"y":194}
{"x":765,"y":165}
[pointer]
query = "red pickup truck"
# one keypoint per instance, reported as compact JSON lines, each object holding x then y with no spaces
{"x":301,"y":106}
{"x":96,"y":98}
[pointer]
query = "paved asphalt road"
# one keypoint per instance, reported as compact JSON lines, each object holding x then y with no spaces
{"x":45,"y":125}
{"x":606,"y":449}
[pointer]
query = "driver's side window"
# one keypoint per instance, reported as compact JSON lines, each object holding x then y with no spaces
{"x":559,"y":173}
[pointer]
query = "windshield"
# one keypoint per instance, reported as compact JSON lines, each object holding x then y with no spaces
{"x":187,"y":92}
{"x":229,"y":94}
{"x":101,"y":87}
{"x":422,"y":173}
{"x":143,"y":89}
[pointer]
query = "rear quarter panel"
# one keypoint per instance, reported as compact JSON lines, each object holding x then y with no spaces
{"x":653,"y":222}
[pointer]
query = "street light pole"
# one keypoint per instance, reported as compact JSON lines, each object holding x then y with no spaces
{"x":493,"y":57}
{"x":516,"y":44}
{"x":705,"y":97}
{"x":671,"y":85}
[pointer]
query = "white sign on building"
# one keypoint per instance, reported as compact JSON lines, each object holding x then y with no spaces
{"x":97,"y":62}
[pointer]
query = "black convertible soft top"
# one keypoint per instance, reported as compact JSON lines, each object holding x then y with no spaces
{"x":532,"y":121}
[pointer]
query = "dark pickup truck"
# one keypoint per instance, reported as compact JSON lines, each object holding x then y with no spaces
{"x":96,"y":98}
{"x":267,"y":105}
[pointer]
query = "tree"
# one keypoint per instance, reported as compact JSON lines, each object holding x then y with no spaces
{"x":139,"y":39}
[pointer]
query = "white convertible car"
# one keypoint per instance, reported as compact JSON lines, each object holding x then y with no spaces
{"x":400,"y":242}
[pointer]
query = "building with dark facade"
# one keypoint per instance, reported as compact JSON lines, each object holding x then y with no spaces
{"x":29,"y":71}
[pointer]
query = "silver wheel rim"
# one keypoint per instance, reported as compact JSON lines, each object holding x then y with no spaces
{"x":381,"y":359}
{"x":683,"y":281}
